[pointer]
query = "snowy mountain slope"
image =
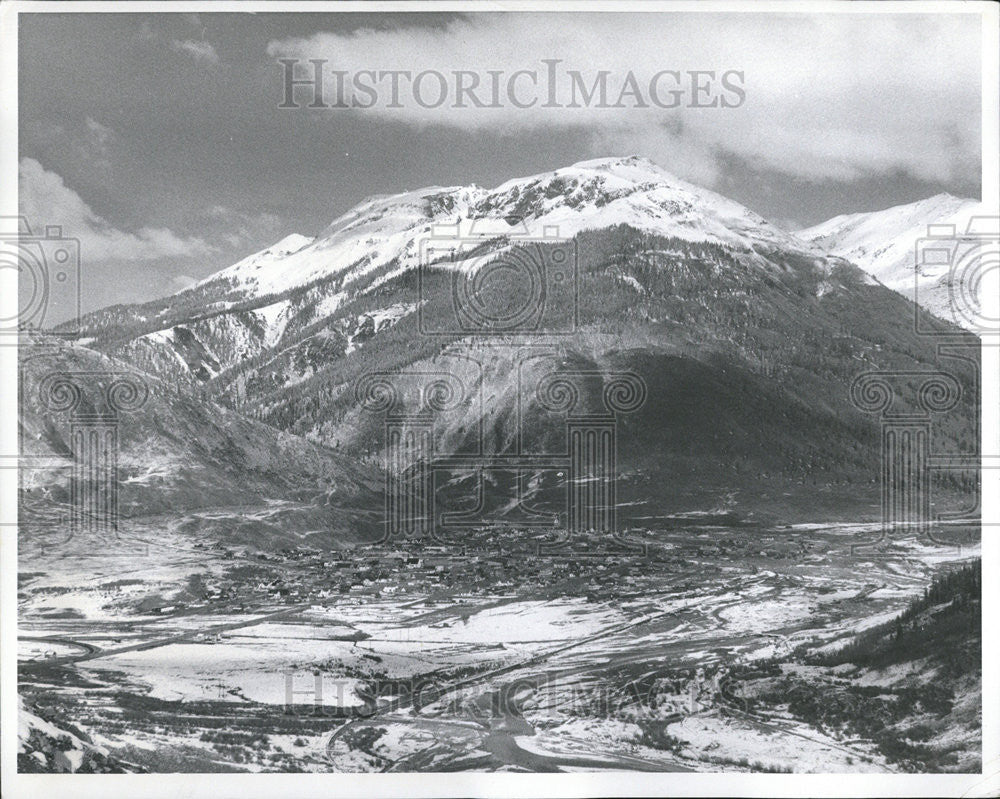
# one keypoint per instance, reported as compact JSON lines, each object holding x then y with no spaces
{"x":179,"y":453}
{"x":883,"y":243}
{"x":260,"y":261}
{"x":44,"y":747}
{"x":748,"y":337}
{"x":274,"y":298}
{"x":587,"y":195}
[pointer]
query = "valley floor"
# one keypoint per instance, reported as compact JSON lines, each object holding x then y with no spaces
{"x":686,"y":655}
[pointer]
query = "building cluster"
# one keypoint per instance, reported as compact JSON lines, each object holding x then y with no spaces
{"x":497,"y":561}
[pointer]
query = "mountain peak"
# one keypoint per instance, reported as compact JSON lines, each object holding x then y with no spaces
{"x":918,"y":212}
{"x":632,"y":168}
{"x":384,"y":234}
{"x":883,"y":244}
{"x":259,"y":260}
{"x":291,"y":243}
{"x":943,"y":197}
{"x":611,"y":161}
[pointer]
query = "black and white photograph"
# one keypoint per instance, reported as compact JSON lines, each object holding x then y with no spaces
{"x":470,"y":399}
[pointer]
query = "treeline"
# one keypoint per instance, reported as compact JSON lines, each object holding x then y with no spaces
{"x":945,"y":623}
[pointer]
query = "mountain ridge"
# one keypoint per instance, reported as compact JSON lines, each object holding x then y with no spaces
{"x":884,"y":242}
{"x":181,"y":455}
{"x":585,"y":195}
{"x":665,"y":280}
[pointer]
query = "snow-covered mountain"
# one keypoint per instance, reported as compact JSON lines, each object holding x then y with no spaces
{"x":747,"y":337}
{"x":273,"y":298}
{"x":386,"y":231}
{"x":179,"y":453}
{"x":883,"y":243}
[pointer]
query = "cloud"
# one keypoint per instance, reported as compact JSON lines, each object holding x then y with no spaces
{"x":100,"y":135}
{"x":238,"y":229}
{"x":198,"y":50}
{"x":46,"y":200}
{"x":828,"y":96}
{"x":181,"y":282}
{"x":96,"y":144}
{"x":87,"y":145}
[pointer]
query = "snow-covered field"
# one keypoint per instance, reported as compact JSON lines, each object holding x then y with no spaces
{"x":334,"y":654}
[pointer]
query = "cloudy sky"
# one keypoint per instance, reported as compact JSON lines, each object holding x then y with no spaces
{"x":157,"y":140}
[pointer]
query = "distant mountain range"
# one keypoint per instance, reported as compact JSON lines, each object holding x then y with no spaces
{"x":745,"y":339}
{"x":883,"y":243}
